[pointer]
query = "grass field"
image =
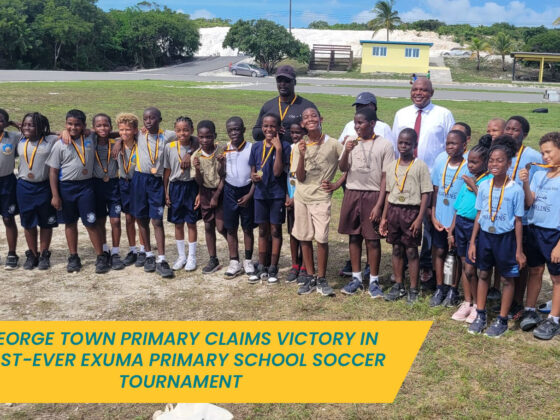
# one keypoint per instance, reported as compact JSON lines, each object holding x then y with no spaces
{"x":455,"y":375}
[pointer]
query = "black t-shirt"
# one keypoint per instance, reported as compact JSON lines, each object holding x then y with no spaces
{"x":293,"y":114}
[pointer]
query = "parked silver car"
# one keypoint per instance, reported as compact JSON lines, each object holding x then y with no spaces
{"x":245,"y":69}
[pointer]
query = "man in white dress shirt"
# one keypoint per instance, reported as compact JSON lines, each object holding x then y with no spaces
{"x":363,"y":100}
{"x":432,"y":123}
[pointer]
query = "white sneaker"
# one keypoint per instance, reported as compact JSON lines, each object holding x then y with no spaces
{"x":248,"y":267}
{"x":179,"y":263}
{"x":191,"y":263}
{"x":234,"y":269}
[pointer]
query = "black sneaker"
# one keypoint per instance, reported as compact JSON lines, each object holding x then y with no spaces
{"x":301,"y":277}
{"x":529,"y":320}
{"x":149,"y":264}
{"x":163,"y":269}
{"x":427,"y":280}
{"x":261,"y":272}
{"x":74,"y":263}
{"x":212,"y":266}
{"x":116,"y":263}
{"x":452,"y":298}
{"x":11,"y":262}
{"x":102,"y":264}
{"x":323,"y":287}
{"x":478,"y":325}
{"x":309,"y":285}
{"x":396,"y":292}
{"x":292,"y":275}
{"x":438,"y":297}
{"x":31,"y":260}
{"x":141,"y":259}
{"x":547,"y":329}
{"x":272,"y":274}
{"x":130,"y":258}
{"x":412,"y":296}
{"x":44,"y":260}
{"x":346,"y":271}
{"x":497,"y":329}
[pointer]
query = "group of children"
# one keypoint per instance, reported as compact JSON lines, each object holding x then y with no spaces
{"x":493,"y":206}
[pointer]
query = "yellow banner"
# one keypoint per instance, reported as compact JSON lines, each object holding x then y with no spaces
{"x":207,"y":361}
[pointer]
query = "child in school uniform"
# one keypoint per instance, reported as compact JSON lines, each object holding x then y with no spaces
{"x":8,"y":200}
{"x":541,"y":197}
{"x":106,"y":188}
{"x":147,"y":192}
{"x":298,"y":267}
{"x":128,"y":130}
{"x":447,"y":180}
{"x":462,"y":226}
{"x":363,"y":159}
{"x":206,"y":162}
{"x":498,"y":227}
{"x":181,"y":192}
{"x":408,"y":190}
{"x":71,"y":169}
{"x":238,"y":194}
{"x":33,"y":190}
{"x":267,"y":161}
{"x":315,"y":162}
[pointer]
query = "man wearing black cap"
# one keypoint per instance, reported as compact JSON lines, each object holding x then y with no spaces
{"x":287,"y":105}
{"x":363,"y":100}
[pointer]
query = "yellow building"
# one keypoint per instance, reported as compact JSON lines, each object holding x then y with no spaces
{"x":395,"y":57}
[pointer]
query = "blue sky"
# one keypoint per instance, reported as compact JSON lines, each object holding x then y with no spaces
{"x":474,"y":12}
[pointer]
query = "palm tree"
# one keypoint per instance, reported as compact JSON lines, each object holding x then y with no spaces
{"x":478,"y":45}
{"x":502,"y":44}
{"x":386,"y":18}
{"x":556,"y":22}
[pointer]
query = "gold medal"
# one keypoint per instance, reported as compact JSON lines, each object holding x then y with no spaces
{"x":446,"y":201}
{"x":84,"y":171}
{"x":153,"y":170}
{"x":106,"y":178}
{"x":492,"y":229}
{"x":260,"y":173}
{"x":30,"y":175}
{"x":401,"y":198}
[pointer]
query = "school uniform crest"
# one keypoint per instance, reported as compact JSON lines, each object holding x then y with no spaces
{"x":118,"y":208}
{"x":87,"y":144}
{"x":12,"y":209}
{"x":90,"y":217}
{"x":7,"y":149}
{"x":160,"y":211}
{"x":51,"y":220}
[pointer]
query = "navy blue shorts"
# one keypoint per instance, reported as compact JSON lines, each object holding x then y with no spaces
{"x":497,"y":250}
{"x":183,"y":195}
{"x":8,"y":199}
{"x":463,"y":232}
{"x":439,"y":239}
{"x":542,"y":242}
{"x":34,"y":201}
{"x":270,"y":211}
{"x":232,"y":212}
{"x":124,"y":192}
{"x":147,"y":196}
{"x":107,"y":198}
{"x":78,"y":201}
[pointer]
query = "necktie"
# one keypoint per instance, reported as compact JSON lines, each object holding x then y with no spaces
{"x":417,"y":125}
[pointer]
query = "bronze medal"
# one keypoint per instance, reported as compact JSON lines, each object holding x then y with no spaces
{"x":401,"y":198}
{"x":106,"y":178}
{"x":153,"y":170}
{"x":84,"y":171}
{"x":292,"y":182}
{"x":492,"y":229}
{"x":30,"y":175}
{"x":446,"y":201}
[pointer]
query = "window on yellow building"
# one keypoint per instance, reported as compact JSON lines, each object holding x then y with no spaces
{"x":412,"y":52}
{"x":379,"y":51}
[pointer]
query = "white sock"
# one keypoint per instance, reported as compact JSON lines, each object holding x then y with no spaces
{"x":530,"y":309}
{"x":373,"y":279}
{"x":160,"y":258}
{"x":105,"y":248}
{"x":192,"y":249}
{"x":115,"y":250}
{"x":556,"y":319}
{"x":181,"y":248}
{"x":357,"y":275}
{"x":142,"y":249}
{"x":133,"y":249}
{"x":149,"y":254}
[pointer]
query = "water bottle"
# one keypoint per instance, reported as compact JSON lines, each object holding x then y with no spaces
{"x":449,"y":267}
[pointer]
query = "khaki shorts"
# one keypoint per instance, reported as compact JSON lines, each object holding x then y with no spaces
{"x":312,"y":221}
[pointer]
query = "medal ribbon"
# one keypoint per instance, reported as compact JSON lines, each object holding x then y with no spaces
{"x":283,"y":114}
{"x":493,"y":216}
{"x":521,"y":150}
{"x":207,"y":157}
{"x":401,"y":186}
{"x":82,"y":155}
{"x":30,"y":162}
{"x":263,"y":159}
{"x":477,"y":179}
{"x":105,"y":170}
{"x":125,"y":166}
{"x":540,"y":165}
{"x":446,"y":189}
{"x":229,"y":150}
{"x":153,"y":159}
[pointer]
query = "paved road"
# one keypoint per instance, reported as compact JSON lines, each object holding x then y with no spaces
{"x":191,"y":71}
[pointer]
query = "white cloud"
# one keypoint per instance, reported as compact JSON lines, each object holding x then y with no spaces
{"x":462,"y":11}
{"x":202,"y":13}
{"x":307,"y":16}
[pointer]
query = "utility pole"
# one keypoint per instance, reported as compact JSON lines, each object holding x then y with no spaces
{"x":290,"y":24}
